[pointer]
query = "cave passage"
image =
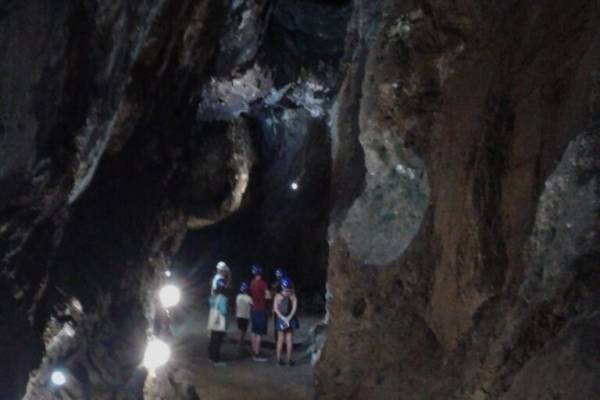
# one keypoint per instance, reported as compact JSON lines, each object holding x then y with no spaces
{"x":283,"y":227}
{"x":426,"y":172}
{"x":160,"y":138}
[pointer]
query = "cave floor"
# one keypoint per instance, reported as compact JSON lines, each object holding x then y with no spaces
{"x":243,"y":377}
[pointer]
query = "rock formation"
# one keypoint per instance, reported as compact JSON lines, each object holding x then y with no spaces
{"x":462,"y":259}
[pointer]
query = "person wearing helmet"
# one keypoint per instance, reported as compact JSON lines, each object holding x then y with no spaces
{"x":243,"y":303}
{"x":279,"y":273}
{"x":217,"y":323}
{"x":222,"y":273}
{"x":276,"y":288}
{"x":259,"y":293}
{"x":285,"y":307}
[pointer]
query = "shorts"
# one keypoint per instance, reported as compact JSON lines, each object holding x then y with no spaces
{"x":259,"y":322}
{"x":294,"y":325}
{"x":242,"y":324}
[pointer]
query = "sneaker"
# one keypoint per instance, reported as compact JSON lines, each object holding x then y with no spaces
{"x":291,"y":363}
{"x":220,"y":364}
{"x":281,"y":363}
{"x":259,"y":359}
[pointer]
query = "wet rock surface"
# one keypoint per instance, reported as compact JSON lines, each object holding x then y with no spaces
{"x":96,"y":119}
{"x":486,"y":284}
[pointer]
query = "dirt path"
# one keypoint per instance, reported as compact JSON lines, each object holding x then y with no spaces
{"x":243,"y":378}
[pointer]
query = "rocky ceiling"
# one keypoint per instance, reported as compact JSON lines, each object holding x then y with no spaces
{"x":450,"y":155}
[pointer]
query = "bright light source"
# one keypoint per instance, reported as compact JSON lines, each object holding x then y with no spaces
{"x":58,"y":378}
{"x":294,"y":186}
{"x":157,"y":354}
{"x":168,"y":273}
{"x":169,"y":295}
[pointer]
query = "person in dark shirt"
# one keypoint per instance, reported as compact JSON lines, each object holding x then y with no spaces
{"x":286,"y":322}
{"x":276,"y":288}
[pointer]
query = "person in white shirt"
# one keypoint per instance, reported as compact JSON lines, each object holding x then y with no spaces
{"x":243,"y":304}
{"x":222,"y":273}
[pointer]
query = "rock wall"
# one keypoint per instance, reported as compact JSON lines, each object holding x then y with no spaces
{"x":97,"y":119}
{"x":123,"y":124}
{"x":464,"y":240}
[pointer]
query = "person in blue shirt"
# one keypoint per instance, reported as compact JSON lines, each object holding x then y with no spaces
{"x":217,"y":322}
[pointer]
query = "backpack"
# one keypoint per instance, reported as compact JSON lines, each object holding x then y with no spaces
{"x":216,"y":320}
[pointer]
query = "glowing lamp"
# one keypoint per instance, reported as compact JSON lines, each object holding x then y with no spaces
{"x":157,"y":354}
{"x":58,"y":378}
{"x":169,"y":295}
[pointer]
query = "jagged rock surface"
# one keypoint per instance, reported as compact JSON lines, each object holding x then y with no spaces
{"x":492,"y":296}
{"x":109,"y":155}
{"x":97,"y":126}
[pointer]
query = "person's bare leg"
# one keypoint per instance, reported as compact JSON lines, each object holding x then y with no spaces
{"x":253,"y":338}
{"x":242,"y":334}
{"x":279,"y":344}
{"x":288,"y":338}
{"x":258,"y":337}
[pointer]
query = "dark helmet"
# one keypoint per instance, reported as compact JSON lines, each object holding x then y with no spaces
{"x":244,"y":287}
{"x":286,"y":283}
{"x":255,"y":269}
{"x":221,"y":284}
{"x":279,"y":273}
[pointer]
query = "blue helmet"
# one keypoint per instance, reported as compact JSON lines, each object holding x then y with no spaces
{"x":244,"y":287}
{"x":286,"y":283}
{"x":279,"y":273}
{"x":255,"y":269}
{"x":221,"y":284}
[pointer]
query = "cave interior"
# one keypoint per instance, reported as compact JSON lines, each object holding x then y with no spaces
{"x":427,"y":172}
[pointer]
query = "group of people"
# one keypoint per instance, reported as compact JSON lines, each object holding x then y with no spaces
{"x":252,"y":308}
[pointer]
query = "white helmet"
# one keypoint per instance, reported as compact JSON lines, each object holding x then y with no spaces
{"x":221,"y":266}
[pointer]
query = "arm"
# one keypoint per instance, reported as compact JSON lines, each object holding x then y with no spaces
{"x":268,"y":294}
